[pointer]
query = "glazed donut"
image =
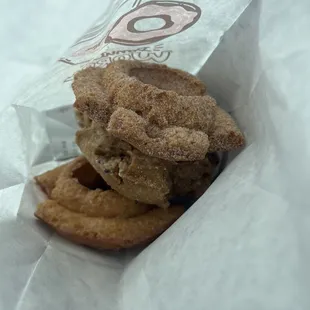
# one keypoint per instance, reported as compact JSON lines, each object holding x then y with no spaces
{"x":177,"y":16}
{"x":107,"y":233}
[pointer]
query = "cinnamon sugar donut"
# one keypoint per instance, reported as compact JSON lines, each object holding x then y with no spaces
{"x":162,"y":112}
{"x":80,"y":188}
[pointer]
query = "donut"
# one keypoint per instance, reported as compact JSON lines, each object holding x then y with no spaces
{"x":176,"y":16}
{"x":107,"y":233}
{"x":137,"y":176}
{"x":162,"y":112}
{"x":80,"y":188}
{"x":181,"y":112}
{"x":82,"y":208}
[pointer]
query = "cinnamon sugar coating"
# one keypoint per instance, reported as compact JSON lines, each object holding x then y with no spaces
{"x":160,"y":111}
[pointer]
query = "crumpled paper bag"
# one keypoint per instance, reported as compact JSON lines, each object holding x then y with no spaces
{"x":243,"y":245}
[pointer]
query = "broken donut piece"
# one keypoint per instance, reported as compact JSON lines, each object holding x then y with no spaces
{"x":135,"y":175}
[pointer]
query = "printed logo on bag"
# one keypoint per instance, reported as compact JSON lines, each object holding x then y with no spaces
{"x":153,"y":21}
{"x":145,"y":24}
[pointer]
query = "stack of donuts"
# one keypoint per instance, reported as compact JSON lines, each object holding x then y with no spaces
{"x":149,"y":136}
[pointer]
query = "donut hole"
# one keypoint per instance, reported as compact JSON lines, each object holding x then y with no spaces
{"x":166,"y":80}
{"x":90,"y":178}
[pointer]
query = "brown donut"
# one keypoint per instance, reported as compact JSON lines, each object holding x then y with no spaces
{"x":138,"y":176}
{"x":99,"y":217}
{"x":158,"y":110}
{"x":80,"y":188}
{"x":107,"y":233}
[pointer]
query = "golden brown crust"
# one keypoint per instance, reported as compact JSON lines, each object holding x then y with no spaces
{"x":47,"y":180}
{"x":76,"y":197}
{"x":100,"y":232}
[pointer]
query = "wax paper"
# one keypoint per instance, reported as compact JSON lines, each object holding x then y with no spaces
{"x":243,"y":244}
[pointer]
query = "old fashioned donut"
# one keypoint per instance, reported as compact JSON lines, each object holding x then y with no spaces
{"x":183,"y":109}
{"x":160,"y":111}
{"x":138,"y":176}
{"x":171,"y":143}
{"x":84,"y":210}
{"x":107,"y":233}
{"x":177,"y":17}
{"x":80,"y":188}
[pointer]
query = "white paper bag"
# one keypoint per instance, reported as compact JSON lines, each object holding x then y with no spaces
{"x":244,"y":244}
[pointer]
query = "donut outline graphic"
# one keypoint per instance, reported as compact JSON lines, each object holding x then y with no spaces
{"x":177,"y":16}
